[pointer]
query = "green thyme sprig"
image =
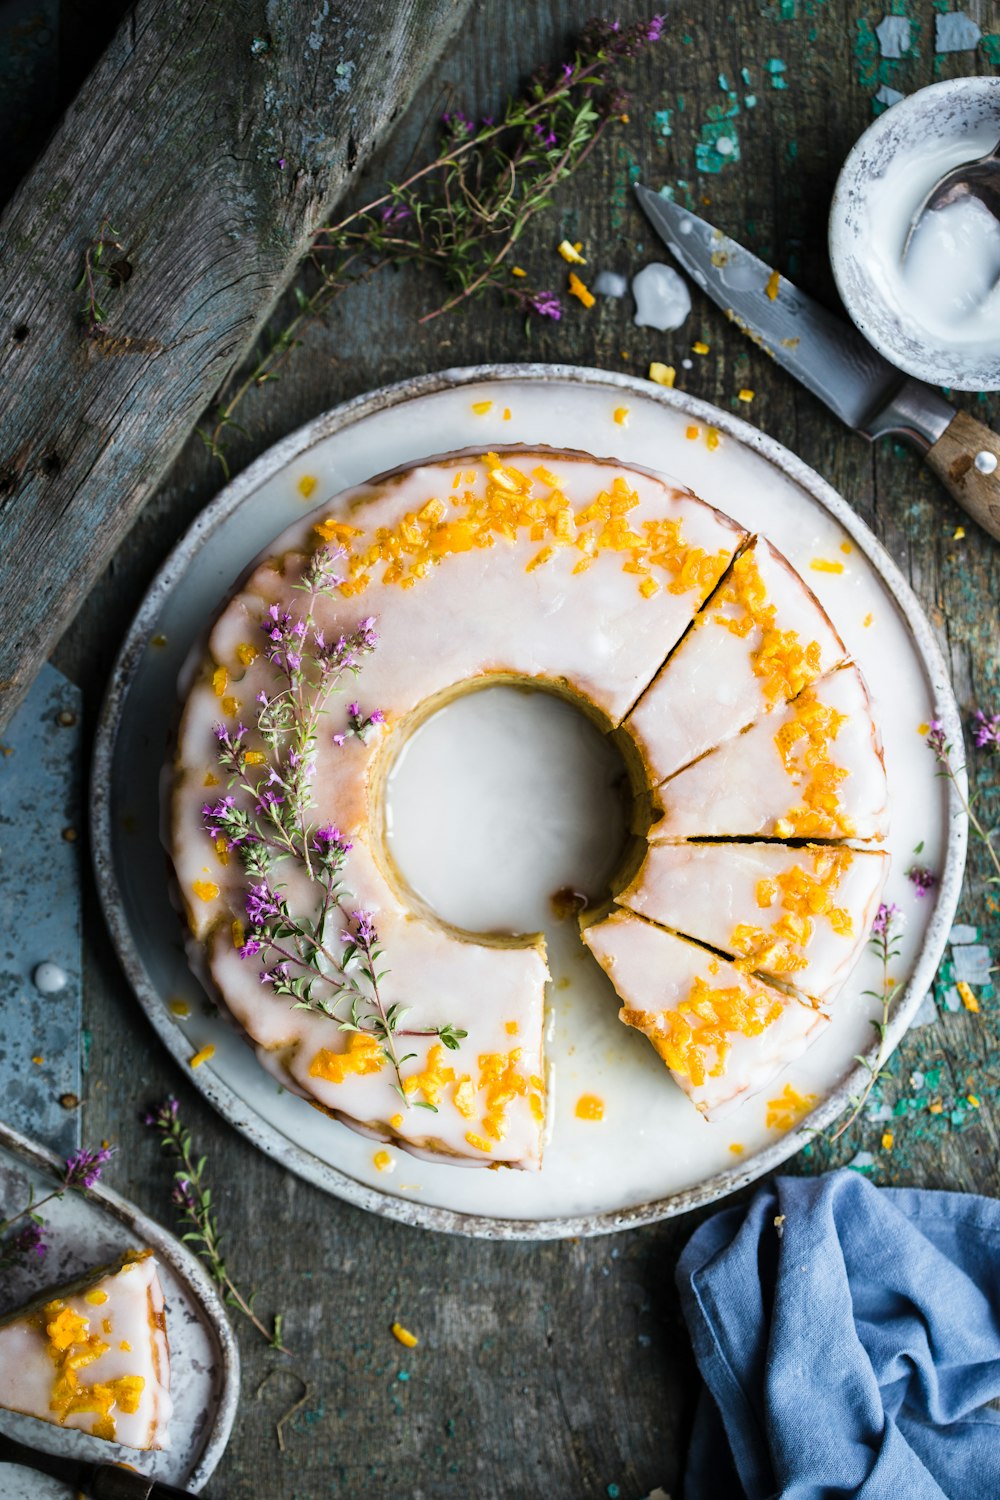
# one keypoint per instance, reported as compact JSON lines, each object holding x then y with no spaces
{"x":96,"y":271}
{"x":886,"y":933}
{"x":193,"y":1199}
{"x":329,"y":959}
{"x":464,"y":213}
{"x":987,"y":736}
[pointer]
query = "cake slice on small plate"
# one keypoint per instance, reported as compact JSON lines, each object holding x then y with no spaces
{"x":93,"y":1355}
{"x":811,"y":770}
{"x":759,"y":640}
{"x":801,"y":915}
{"x":723,"y":1034}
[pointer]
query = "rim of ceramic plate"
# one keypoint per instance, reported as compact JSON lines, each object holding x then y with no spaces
{"x":225,"y":1099}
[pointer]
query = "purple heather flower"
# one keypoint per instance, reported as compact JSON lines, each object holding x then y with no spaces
{"x":376,"y":716}
{"x":339,"y":739}
{"x":547,"y":305}
{"x":31,"y":1240}
{"x":395,"y":213}
{"x":329,"y":841}
{"x":353,"y":710}
{"x":364,"y":929}
{"x":937,"y":741}
{"x":547,"y":137}
{"x":164,"y":1116}
{"x":567,"y":72}
{"x":987,"y":730}
{"x":250,"y":948}
{"x":84,"y":1167}
{"x":183,"y":1196}
{"x":655,"y":28}
{"x":268,"y":803}
{"x":885,"y":920}
{"x":272,"y":976}
{"x":924,"y":880}
{"x":261,"y":903}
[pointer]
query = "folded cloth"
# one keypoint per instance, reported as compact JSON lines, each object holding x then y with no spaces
{"x":849,"y":1337}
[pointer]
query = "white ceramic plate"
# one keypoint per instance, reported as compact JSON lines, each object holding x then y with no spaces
{"x":652,"y":1155}
{"x":87,"y":1231}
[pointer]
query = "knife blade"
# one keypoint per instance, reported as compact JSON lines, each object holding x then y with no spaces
{"x":100,"y":1481}
{"x":832,"y":359}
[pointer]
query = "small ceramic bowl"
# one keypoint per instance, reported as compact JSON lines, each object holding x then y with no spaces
{"x":881,"y":185}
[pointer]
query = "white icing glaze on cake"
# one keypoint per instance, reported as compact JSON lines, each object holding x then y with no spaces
{"x":585,"y":596}
{"x":580,"y":576}
{"x":813,"y":769}
{"x":761,"y":638}
{"x":801,"y":915}
{"x":687,"y":1001}
{"x":93,"y":1355}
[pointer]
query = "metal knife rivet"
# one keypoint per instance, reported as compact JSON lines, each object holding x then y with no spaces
{"x":986,"y":462}
{"x":69,"y":1101}
{"x":66,"y":719}
{"x":49,"y":978}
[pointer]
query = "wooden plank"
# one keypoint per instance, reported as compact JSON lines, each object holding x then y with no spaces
{"x":213,"y":151}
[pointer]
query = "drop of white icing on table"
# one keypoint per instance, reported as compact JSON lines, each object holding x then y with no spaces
{"x":49,"y":978}
{"x":498,"y":801}
{"x":610,"y":284}
{"x":662,"y":299}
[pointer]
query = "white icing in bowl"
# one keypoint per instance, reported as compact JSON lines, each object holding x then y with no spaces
{"x":938,"y":315}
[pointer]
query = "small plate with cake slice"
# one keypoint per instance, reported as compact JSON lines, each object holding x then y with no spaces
{"x":634,"y":738}
{"x":115,"y":1347}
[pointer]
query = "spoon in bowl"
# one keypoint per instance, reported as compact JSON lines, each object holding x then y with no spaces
{"x":970,"y":179}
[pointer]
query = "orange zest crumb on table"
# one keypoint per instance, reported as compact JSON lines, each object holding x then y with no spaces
{"x":589,"y":1107}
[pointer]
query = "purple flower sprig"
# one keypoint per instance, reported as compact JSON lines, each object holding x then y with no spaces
{"x":922,"y":879}
{"x":193,"y":1201}
{"x":82,"y":1171}
{"x":986,"y":733}
{"x":887,"y":930}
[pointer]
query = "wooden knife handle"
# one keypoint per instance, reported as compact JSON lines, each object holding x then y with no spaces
{"x":966,"y":459}
{"x":111,"y":1482}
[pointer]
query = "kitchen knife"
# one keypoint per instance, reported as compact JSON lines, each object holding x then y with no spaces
{"x":832,"y":359}
{"x":99,"y":1481}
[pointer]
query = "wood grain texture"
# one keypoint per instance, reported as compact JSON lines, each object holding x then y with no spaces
{"x":960,"y":458}
{"x":556,"y":1370}
{"x":213,"y":140}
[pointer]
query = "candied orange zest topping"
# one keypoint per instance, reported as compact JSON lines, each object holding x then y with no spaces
{"x":306,"y":485}
{"x":406,"y":1338}
{"x":246,"y":654}
{"x":803,"y":742}
{"x":581,"y":292}
{"x":506,"y":505}
{"x":73,"y":1347}
{"x":785,"y":1112}
{"x":383,"y":1161}
{"x":220,"y":681}
{"x":695,"y":1039}
{"x":205,"y":890}
{"x":805,"y":897}
{"x":784,"y":663}
{"x":363,"y":1055}
{"x":431,"y":1082}
{"x":203,"y":1055}
{"x":826,"y":565}
{"x":589,"y":1107}
{"x":773,"y":282}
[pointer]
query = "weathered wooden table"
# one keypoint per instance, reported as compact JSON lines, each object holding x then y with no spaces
{"x":563,"y":1369}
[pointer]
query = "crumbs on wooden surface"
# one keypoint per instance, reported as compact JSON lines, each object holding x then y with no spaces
{"x":958,"y":533}
{"x":826,"y":565}
{"x":582,"y":293}
{"x":662,"y":374}
{"x":571,"y":253}
{"x":406,"y":1338}
{"x":202,"y":1056}
{"x":38,"y":1060}
{"x":384,"y":1161}
{"x":967,"y":997}
{"x":518,"y":271}
{"x":888,"y":1140}
{"x":589,"y":1107}
{"x":306,"y":485}
{"x":699,"y":347}
{"x":745,"y":395}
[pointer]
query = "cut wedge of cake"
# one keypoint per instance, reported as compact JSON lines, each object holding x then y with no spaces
{"x":801,"y":915}
{"x":759,"y":640}
{"x":811,"y":770}
{"x":93,"y":1355}
{"x":723,"y":1034}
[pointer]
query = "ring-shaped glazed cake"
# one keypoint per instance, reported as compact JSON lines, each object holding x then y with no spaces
{"x":755,"y":765}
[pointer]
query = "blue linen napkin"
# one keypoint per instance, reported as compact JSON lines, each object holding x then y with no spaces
{"x":848,"y":1336}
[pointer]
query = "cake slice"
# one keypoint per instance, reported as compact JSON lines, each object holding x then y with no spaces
{"x":811,"y":770}
{"x":723,"y":1034}
{"x":760,"y":639}
{"x":800,"y":915}
{"x":93,"y":1355}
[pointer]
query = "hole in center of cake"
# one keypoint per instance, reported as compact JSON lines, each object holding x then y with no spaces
{"x":505,"y":809}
